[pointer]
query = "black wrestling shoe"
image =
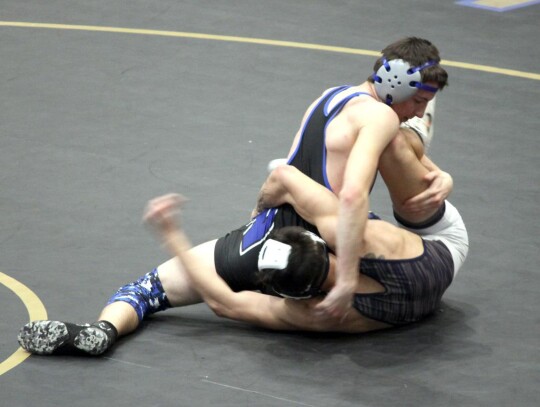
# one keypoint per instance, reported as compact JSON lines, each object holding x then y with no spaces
{"x":64,"y":338}
{"x":92,"y":340}
{"x":43,"y":337}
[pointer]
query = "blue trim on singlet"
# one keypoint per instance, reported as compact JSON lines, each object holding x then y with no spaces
{"x":333,"y":93}
{"x":337,"y":108}
{"x":305,"y":123}
{"x":303,"y":131}
{"x":257,"y":230}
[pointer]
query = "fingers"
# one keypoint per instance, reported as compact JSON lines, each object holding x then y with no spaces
{"x":440,"y":185}
{"x":425,"y":201}
{"x":163,"y":209}
{"x":334,"y":312}
{"x":166,"y":201}
{"x":430,"y":176}
{"x":415,"y":200}
{"x":335,"y":305}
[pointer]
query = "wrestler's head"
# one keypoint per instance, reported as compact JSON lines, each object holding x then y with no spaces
{"x":293,"y":263}
{"x":416,"y":52}
{"x":408,"y":75}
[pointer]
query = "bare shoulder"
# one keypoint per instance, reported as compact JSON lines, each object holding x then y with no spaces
{"x":365,"y":101}
{"x":382,"y":239}
{"x":377,"y":112}
{"x":366,"y":112}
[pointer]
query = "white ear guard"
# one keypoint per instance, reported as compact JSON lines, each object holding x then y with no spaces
{"x":274,"y":255}
{"x":396,"y":81}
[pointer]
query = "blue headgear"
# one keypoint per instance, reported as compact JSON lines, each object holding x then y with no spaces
{"x":396,"y":81}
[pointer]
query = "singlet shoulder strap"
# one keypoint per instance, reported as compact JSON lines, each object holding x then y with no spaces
{"x":339,"y":97}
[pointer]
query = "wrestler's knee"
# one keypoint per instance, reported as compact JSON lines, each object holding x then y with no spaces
{"x":146,"y":295}
{"x":176,"y":284}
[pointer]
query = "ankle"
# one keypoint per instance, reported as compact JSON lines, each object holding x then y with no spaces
{"x":108,"y":328}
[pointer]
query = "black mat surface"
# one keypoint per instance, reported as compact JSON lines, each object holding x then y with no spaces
{"x":93,"y":124}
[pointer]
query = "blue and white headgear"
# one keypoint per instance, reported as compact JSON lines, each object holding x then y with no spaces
{"x":396,"y":81}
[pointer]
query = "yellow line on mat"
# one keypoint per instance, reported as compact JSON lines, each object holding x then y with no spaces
{"x":36,"y":310}
{"x":260,"y":41}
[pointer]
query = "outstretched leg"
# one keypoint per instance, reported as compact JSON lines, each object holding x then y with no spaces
{"x":167,"y":286}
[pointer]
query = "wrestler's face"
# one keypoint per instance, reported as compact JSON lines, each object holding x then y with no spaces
{"x":414,"y":106}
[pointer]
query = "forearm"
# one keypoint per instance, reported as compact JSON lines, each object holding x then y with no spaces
{"x":350,"y":237}
{"x":445,"y":183}
{"x":214,"y":291}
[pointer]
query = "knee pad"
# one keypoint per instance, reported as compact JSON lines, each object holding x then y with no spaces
{"x":146,"y":295}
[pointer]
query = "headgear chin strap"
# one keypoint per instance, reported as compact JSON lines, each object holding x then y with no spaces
{"x":396,"y":81}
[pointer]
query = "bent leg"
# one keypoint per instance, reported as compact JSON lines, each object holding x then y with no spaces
{"x":403,"y":173}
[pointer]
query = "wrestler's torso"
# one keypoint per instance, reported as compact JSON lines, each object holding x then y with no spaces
{"x":236,"y":254}
{"x":329,"y":131}
{"x":413,"y":287}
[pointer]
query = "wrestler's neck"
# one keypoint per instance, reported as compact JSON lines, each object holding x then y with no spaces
{"x":369,"y":88}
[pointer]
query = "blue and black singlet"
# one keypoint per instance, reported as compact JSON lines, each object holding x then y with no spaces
{"x":236,"y":253}
{"x":413,"y":288}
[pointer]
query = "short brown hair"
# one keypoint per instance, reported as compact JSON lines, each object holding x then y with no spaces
{"x":307,"y":266}
{"x":416,"y":51}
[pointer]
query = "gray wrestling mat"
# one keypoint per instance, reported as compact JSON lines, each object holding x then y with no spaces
{"x":94,"y":122}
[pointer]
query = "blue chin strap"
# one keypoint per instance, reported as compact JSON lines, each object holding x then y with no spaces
{"x":396,"y":81}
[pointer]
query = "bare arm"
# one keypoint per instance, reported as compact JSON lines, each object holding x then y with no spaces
{"x":440,"y":187}
{"x":373,"y":137}
{"x":312,"y":201}
{"x":416,"y":185}
{"x":260,"y":309}
{"x":273,"y":192}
